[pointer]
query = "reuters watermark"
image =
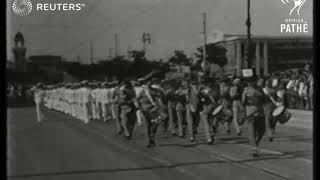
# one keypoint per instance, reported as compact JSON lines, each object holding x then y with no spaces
{"x":24,"y":7}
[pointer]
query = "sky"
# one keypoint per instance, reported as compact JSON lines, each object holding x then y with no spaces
{"x":172,"y":24}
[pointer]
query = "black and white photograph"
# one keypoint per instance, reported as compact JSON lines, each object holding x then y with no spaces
{"x":160,"y":89}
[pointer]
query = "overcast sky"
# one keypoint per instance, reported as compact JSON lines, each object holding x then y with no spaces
{"x":173,"y":24}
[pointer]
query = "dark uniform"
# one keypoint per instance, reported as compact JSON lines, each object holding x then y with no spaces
{"x":227,"y":104}
{"x":115,"y":110}
{"x":254,"y":114}
{"x":181,"y":99}
{"x":269,"y":94}
{"x":153,"y":110}
{"x":207,"y":105}
{"x":237,"y":107}
{"x":193,"y":111}
{"x":171,"y":104}
{"x":127,"y":110}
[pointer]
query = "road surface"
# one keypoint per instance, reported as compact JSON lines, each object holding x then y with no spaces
{"x":64,"y":148}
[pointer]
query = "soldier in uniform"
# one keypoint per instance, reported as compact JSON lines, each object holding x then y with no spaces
{"x":115,"y":100}
{"x":181,"y":95}
{"x":94,"y":98}
{"x":226,"y":103}
{"x":39,"y":95}
{"x":237,"y":107}
{"x":269,"y":95}
{"x":193,"y":110}
{"x":251,"y":98}
{"x":171,"y":104}
{"x":152,"y":109}
{"x":127,"y":109}
{"x":207,"y":103}
{"x":86,"y":102}
{"x":105,"y":100}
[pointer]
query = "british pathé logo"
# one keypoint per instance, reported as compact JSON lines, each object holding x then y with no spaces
{"x":294,"y":25}
{"x":297,"y":4}
{"x":22,"y":7}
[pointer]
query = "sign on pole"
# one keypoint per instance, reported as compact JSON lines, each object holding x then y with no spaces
{"x":247,"y":72}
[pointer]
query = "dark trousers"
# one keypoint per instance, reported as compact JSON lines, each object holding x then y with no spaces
{"x":128,"y":120}
{"x":256,"y":125}
{"x":193,"y":120}
{"x":210,"y":123}
{"x":173,"y":125}
{"x":270,"y":121}
{"x":151,"y":127}
{"x":182,"y":123}
{"x":256,"y":130}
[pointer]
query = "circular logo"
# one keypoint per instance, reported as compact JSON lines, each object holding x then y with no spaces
{"x":22,"y":7}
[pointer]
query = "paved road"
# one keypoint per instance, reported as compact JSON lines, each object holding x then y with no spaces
{"x":64,"y":148}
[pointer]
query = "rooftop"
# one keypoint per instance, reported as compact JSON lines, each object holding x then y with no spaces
{"x":232,"y":37}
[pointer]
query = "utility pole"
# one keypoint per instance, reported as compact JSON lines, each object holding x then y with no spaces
{"x":110,"y":52}
{"x":116,"y":45}
{"x":91,"y":53}
{"x":204,"y":42}
{"x":248,"y":23}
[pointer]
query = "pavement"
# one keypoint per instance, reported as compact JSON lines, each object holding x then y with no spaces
{"x":301,"y":119}
{"x":64,"y":148}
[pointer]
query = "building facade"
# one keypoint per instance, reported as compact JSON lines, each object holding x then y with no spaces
{"x":269,"y":53}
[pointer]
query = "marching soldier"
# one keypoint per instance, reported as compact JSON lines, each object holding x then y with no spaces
{"x":127,"y":109}
{"x":208,"y":100}
{"x":193,"y":110}
{"x":39,"y":95}
{"x":105,"y":101}
{"x":181,"y":95}
{"x":237,"y":107}
{"x":115,"y":100}
{"x":86,"y":102}
{"x":171,"y":104}
{"x":226,"y":103}
{"x":251,"y":98}
{"x":139,"y":90}
{"x":268,"y":106}
{"x":94,"y":98}
{"x":152,"y":109}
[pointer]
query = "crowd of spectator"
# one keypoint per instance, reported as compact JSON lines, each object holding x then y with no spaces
{"x":299,"y":84}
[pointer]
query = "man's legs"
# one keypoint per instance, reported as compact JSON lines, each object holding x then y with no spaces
{"x":235,"y":110}
{"x":39,"y":118}
{"x":180,"y":123}
{"x":190,"y":123}
{"x":268,"y":121}
{"x":172,"y":120}
{"x":206,"y":124}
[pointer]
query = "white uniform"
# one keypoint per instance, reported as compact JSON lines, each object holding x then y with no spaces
{"x":98,"y":103}
{"x":86,"y":101}
{"x":93,"y":104}
{"x":39,"y":97}
{"x":104,"y":98}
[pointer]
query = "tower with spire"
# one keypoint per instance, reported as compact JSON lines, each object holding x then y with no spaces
{"x":19,"y":53}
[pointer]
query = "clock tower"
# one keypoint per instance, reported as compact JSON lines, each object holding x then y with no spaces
{"x":19,"y":52}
